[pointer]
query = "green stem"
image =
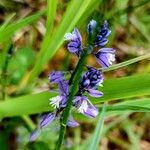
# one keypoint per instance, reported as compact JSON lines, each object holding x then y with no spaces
{"x":74,"y":80}
{"x":29,"y":122}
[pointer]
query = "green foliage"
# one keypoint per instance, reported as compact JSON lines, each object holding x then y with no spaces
{"x":125,"y":87}
{"x":19,"y":64}
{"x":96,"y":137}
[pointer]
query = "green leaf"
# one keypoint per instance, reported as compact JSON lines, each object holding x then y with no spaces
{"x":51,"y":11}
{"x":7,"y":21}
{"x":98,"y":130}
{"x":137,"y":105}
{"x":126,"y":87}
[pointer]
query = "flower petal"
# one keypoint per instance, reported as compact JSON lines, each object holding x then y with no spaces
{"x":77,"y":33}
{"x":72,"y":123}
{"x":56,"y":76}
{"x":95,"y":93}
{"x":70,"y":36}
{"x":55,"y":101}
{"x":91,"y":26}
{"x":73,"y":47}
{"x":46,"y":119}
{"x":34,"y":135}
{"x":64,"y":87}
{"x":91,"y":111}
{"x":88,"y":109}
{"x":105,"y":56}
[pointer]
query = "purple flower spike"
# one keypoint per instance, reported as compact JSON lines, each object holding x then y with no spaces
{"x":34,"y":135}
{"x":95,"y":93}
{"x":56,"y":76}
{"x":75,"y":44}
{"x":46,"y":119}
{"x":72,"y":123}
{"x":105,"y":56}
{"x":91,"y":26}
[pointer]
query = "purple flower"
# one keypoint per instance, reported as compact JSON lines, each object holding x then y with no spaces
{"x":105,"y":32}
{"x":91,"y":26}
{"x":95,"y":93}
{"x":60,"y":100}
{"x":91,"y":79}
{"x":75,"y":44}
{"x":64,"y":87}
{"x":101,"y":39}
{"x":105,"y":56}
{"x":85,"y":106}
{"x":34,"y":135}
{"x":56,"y":76}
{"x":72,"y":123}
{"x":46,"y":119}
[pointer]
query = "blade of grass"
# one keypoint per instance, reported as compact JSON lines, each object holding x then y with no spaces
{"x":126,"y":63}
{"x":51,"y":11}
{"x":98,"y":130}
{"x":113,"y":89}
{"x":88,"y":11}
{"x":8,"y":20}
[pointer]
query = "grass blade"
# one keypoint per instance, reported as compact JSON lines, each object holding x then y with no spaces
{"x":126,"y":63}
{"x":113,"y":89}
{"x":98,"y":131}
{"x":8,"y":20}
{"x":51,"y":11}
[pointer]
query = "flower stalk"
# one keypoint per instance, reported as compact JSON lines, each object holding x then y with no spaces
{"x":74,"y":82}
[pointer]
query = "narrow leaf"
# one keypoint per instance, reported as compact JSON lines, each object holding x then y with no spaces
{"x":98,"y":130}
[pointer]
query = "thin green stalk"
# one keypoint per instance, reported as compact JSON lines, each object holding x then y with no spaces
{"x":29,"y":122}
{"x":74,"y":80}
{"x":125,"y":63}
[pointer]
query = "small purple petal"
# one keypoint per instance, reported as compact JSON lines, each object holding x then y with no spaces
{"x":73,"y":47}
{"x":77,"y":33}
{"x":105,"y":32}
{"x":105,"y":56}
{"x":91,"y":111}
{"x":87,"y":108}
{"x":34,"y":135}
{"x":101,"y":42}
{"x":46,"y":119}
{"x":72,"y":123}
{"x":107,"y":50}
{"x":64,"y":87}
{"x":63,"y":101}
{"x":56,"y":76}
{"x":91,"y":26}
{"x":95,"y":93}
